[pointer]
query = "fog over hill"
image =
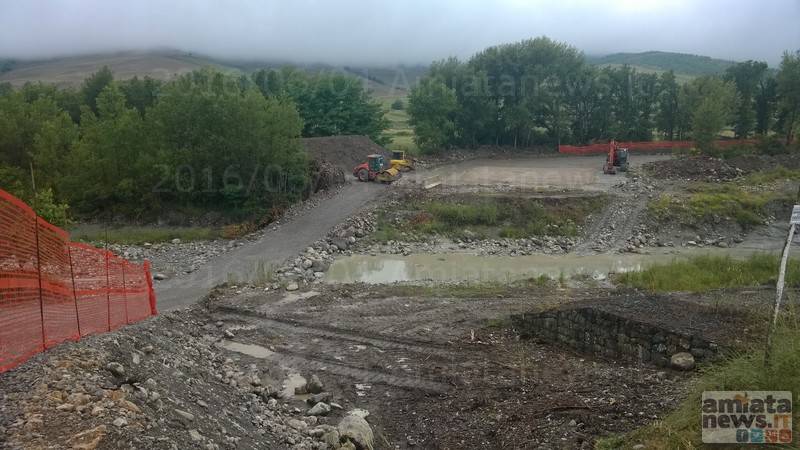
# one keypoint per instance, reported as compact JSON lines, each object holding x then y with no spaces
{"x":367,"y":32}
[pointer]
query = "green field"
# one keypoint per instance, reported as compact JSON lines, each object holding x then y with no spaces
{"x":399,"y":131}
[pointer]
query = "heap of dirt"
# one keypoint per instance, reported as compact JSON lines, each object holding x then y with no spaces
{"x":344,"y":152}
{"x":694,"y":168}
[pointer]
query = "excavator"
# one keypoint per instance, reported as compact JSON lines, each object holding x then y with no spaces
{"x":617,"y":157}
{"x":373,"y":170}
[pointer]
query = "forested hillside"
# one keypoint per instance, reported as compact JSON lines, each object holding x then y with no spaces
{"x":680,"y":63}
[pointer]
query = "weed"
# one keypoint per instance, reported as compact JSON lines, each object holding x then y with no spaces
{"x":704,"y":273}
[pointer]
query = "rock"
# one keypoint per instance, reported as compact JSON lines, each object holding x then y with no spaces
{"x":176,"y":241}
{"x":307,"y":263}
{"x":97,"y":410}
{"x":682,"y":361}
{"x":65,"y":407}
{"x":187,"y":416}
{"x":148,"y":349}
{"x":336,"y":405}
{"x":117,"y":369}
{"x":125,"y":404}
{"x":89,"y":439}
{"x":292,"y":287}
{"x":638,"y":447}
{"x":228,"y":334}
{"x":314,"y":386}
{"x":195,"y":436}
{"x":321,"y":397}
{"x":120,"y":422}
{"x":320,"y":409}
{"x":159,"y":277}
{"x":319,"y":265}
{"x":340,"y":243}
{"x":356,"y":430}
{"x":298,"y":425}
{"x":79,"y":398}
{"x":331,"y":438}
{"x":202,"y":404}
{"x":363,"y":413}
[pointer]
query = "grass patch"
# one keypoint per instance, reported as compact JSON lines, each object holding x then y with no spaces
{"x":483,"y":217}
{"x":745,"y":372}
{"x":744,"y":201}
{"x":712,"y":203}
{"x":136,"y":235}
{"x":705,"y":273}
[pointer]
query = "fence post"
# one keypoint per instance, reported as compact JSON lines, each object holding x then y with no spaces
{"x":151,"y":293}
{"x":125,"y":292}
{"x":39,"y":278}
{"x":108,"y":292}
{"x":74,"y":289}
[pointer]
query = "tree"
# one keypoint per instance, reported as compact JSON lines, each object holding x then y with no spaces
{"x":398,"y":105}
{"x":94,"y":85}
{"x":765,"y":103}
{"x":140,"y":93}
{"x":432,"y":107}
{"x":788,"y":88}
{"x":667,"y":116}
{"x":220,"y":145}
{"x":330,"y":104}
{"x":746,"y":76}
{"x":711,"y":102}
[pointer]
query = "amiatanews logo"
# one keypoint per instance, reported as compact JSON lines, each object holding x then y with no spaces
{"x":747,"y":417}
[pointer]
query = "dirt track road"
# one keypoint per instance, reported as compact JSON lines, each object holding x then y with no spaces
{"x":272,"y":249}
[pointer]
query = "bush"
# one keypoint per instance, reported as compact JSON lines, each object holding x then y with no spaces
{"x":45,"y":205}
{"x":398,"y":105}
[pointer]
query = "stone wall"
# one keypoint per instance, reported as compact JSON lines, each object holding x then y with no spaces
{"x":594,"y":331}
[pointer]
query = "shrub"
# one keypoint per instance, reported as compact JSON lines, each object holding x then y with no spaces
{"x":398,"y":105}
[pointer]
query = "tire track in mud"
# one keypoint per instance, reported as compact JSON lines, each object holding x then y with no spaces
{"x":340,"y":334}
{"x":390,"y":349}
{"x":366,"y":376}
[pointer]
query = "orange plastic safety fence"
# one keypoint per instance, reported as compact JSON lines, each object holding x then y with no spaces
{"x":53,"y":290}
{"x":644,"y":146}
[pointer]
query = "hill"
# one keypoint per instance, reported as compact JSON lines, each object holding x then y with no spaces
{"x":654,"y":61}
{"x":166,"y":64}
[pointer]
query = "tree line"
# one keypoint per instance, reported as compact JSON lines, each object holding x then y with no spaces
{"x":204,"y":141}
{"x":540,"y":91}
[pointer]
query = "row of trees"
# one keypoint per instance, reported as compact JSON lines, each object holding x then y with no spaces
{"x":543,"y":92}
{"x":205,"y":140}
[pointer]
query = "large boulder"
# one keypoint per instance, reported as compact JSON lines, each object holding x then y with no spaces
{"x":356,"y":430}
{"x":682,"y":361}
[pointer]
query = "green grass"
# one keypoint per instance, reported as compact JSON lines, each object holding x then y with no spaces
{"x":744,"y":372}
{"x":704,"y":273}
{"x":771,"y":176}
{"x":399,"y":131}
{"x":711,"y":203}
{"x":134,"y":235}
{"x":744,"y":201}
{"x":483,"y":217}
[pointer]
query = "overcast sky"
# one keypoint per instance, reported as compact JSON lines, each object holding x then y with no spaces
{"x":396,"y":31}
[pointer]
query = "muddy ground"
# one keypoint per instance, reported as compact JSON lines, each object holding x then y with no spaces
{"x":433,"y":369}
{"x":435,"y":365}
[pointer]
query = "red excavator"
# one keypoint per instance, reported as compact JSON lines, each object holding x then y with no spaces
{"x":617,"y":157}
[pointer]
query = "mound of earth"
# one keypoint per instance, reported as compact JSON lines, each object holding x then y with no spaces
{"x":694,"y":168}
{"x":344,"y":152}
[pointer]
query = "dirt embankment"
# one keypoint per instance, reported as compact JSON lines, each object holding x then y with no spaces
{"x":344,"y":152}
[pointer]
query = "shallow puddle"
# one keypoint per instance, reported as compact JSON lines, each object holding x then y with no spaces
{"x":256,"y":351}
{"x":467,"y":267}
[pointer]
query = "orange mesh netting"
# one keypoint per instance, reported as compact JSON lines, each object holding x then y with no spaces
{"x":53,"y":290}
